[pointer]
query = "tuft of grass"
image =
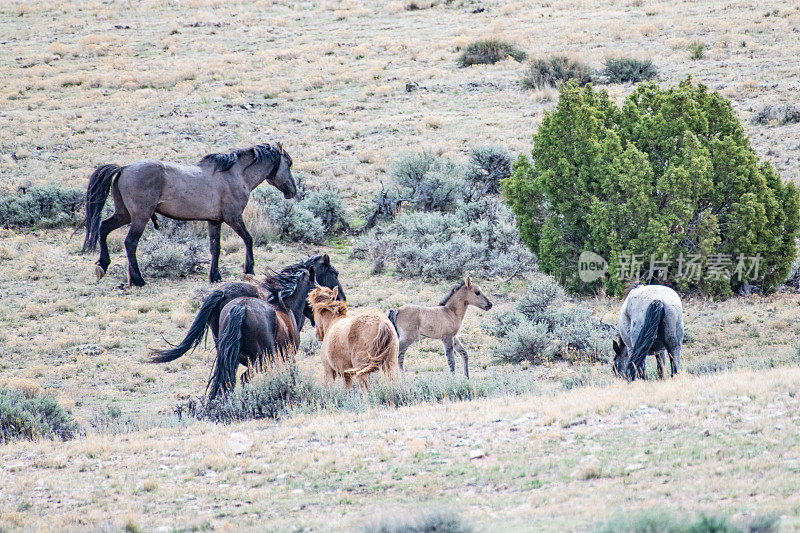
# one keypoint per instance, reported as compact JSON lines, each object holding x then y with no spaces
{"x":555,"y":70}
{"x":489,"y":52}
{"x":40,"y":416}
{"x":697,"y":50}
{"x":437,"y":521}
{"x":284,"y":392}
{"x":629,"y":70}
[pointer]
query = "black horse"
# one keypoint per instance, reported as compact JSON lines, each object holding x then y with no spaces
{"x":257,"y":333}
{"x":209,"y":313}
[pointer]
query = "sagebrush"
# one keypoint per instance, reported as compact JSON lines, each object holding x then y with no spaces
{"x":489,"y":51}
{"x":629,"y":70}
{"x":46,"y":206}
{"x":453,"y":223}
{"x":33,"y":417}
{"x":545,"y":327}
{"x":555,"y":70}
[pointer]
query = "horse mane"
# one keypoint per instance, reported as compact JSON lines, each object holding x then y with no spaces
{"x":452,"y":292}
{"x":281,"y":285}
{"x":322,"y":299}
{"x":261,"y":152}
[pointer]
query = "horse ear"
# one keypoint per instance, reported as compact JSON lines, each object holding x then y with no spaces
{"x":468,"y":281}
{"x":326,"y":260}
{"x":617,"y":348}
{"x":280,"y":148}
{"x":335,"y":292}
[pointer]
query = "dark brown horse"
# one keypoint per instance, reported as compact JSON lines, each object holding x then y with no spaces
{"x":257,"y":333}
{"x":209,"y":313}
{"x":215,"y":190}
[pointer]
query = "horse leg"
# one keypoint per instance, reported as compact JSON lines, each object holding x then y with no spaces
{"x":348,"y":380}
{"x":448,"y":352}
{"x":674,"y":358}
{"x":464,"y":356}
{"x":131,"y":242}
{"x":405,"y":342}
{"x":115,"y":221}
{"x":238,"y":226}
{"x":660,"y":364}
{"x":214,"y":231}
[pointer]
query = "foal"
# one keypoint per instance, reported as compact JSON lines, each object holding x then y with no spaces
{"x":352,"y":345}
{"x":442,"y":322}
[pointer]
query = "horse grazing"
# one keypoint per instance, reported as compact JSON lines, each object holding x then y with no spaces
{"x":216,"y":190}
{"x":259,"y":334}
{"x":442,"y":322}
{"x":651,"y":319}
{"x":209,"y":313}
{"x":352,"y":346}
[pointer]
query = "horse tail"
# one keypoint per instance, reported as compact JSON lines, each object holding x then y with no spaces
{"x":393,"y":319}
{"x":223,"y":375}
{"x":197,"y":331}
{"x":383,"y":348}
{"x":647,"y":336}
{"x":100,"y":183}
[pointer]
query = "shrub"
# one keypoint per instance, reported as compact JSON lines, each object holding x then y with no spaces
{"x":778,"y":115}
{"x":39,"y":416}
{"x":669,"y":175}
{"x":489,"y":51}
{"x":487,"y":167}
{"x":47,"y":206}
{"x":428,"y":182}
{"x":555,"y":70}
{"x":453,"y":225}
{"x":174,"y":251}
{"x":696,"y":50}
{"x":313,"y":216}
{"x":542,"y":329}
{"x":629,"y":70}
{"x":437,"y":521}
{"x":437,"y":246}
{"x":667,"y":522}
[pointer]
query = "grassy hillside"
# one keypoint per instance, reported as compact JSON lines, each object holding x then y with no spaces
{"x":348,"y":87}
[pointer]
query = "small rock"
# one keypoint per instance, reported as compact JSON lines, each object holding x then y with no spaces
{"x":239,"y":443}
{"x":477,"y":453}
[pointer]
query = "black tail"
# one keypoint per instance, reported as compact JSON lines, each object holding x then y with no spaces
{"x":96,"y":195}
{"x":393,"y":319}
{"x":647,"y":336}
{"x":223,"y":375}
{"x":211,"y":306}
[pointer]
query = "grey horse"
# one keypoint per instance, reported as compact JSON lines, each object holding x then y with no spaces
{"x":216,"y":189}
{"x":651,"y":320}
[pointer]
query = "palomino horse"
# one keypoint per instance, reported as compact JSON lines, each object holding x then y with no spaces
{"x":352,"y":345}
{"x":650,"y":320}
{"x":216,"y":190}
{"x":208,"y":315}
{"x":442,"y":322}
{"x":257,"y":333}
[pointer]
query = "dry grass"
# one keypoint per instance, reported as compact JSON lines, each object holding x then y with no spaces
{"x":87,"y":83}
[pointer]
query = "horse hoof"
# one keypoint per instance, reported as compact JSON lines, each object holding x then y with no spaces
{"x":99,"y":272}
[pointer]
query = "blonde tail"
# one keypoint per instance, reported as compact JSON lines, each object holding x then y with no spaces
{"x":384,"y":351}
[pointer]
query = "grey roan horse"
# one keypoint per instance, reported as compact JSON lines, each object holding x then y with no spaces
{"x":651,"y":319}
{"x":216,"y":189}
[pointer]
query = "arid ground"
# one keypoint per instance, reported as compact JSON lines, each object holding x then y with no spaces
{"x":90,"y":82}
